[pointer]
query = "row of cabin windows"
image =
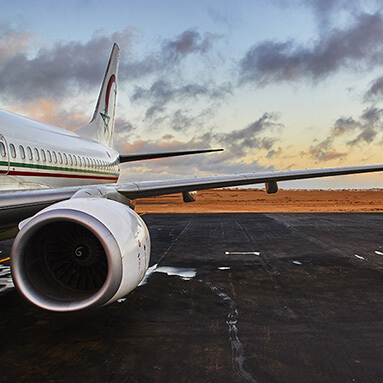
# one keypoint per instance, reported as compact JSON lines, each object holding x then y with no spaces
{"x":52,"y":157}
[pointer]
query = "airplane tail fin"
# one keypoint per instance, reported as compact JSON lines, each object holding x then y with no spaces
{"x":101,"y":126}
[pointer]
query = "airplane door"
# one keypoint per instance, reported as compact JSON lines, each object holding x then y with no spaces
{"x":4,"y":156}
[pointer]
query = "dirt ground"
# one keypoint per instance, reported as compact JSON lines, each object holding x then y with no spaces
{"x":255,"y":200}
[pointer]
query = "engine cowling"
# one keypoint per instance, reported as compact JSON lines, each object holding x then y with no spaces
{"x":80,"y":253}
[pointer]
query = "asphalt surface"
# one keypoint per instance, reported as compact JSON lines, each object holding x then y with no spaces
{"x":234,"y":298}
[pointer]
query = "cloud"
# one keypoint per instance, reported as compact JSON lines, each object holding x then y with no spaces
{"x":58,"y":71}
{"x":359,"y":47}
{"x":123,"y":126}
{"x":178,"y":119}
{"x":371,"y":124}
{"x":367,"y":127}
{"x":376,"y":90}
{"x":352,"y":131}
{"x":163,"y":92}
{"x":65,"y":69}
{"x":323,"y":151}
{"x":274,"y":153}
{"x":172,"y":52}
{"x":240,"y":141}
{"x":325,"y":10}
{"x":153,"y":111}
{"x":51,"y":113}
{"x":189,"y":41}
{"x":344,"y":125}
{"x":222,"y":18}
{"x":12,"y":42}
{"x":182,"y":122}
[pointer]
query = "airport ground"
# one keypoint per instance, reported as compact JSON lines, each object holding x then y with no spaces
{"x":235,"y":297}
{"x":258,"y":201}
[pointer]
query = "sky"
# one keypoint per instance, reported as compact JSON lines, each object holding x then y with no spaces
{"x":279,"y":84}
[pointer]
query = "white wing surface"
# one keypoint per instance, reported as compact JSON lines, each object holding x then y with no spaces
{"x":155,"y":188}
{"x":30,"y":200}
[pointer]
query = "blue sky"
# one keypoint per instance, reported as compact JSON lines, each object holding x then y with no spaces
{"x":278,"y":84}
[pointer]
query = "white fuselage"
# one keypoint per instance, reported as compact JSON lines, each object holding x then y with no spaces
{"x":35,"y":155}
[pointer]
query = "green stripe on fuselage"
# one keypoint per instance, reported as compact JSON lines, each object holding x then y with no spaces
{"x":54,"y":168}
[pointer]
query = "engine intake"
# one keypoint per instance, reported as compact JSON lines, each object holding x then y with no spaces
{"x":79,"y":254}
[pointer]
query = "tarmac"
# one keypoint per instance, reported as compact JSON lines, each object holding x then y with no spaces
{"x":228,"y":298}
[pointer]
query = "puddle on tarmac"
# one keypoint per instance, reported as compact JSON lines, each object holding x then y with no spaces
{"x":185,"y":273}
{"x":297,"y":263}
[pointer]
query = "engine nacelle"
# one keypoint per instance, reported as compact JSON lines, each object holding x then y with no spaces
{"x":80,"y":253}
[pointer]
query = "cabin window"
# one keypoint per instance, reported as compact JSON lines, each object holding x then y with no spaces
{"x":29,"y":151}
{"x":22,"y":152}
{"x":83,"y":162}
{"x":87,"y":162}
{"x":49,"y":155}
{"x":79,"y":160}
{"x":2,"y":149}
{"x":65,"y":159}
{"x":12,"y":150}
{"x":43,"y":156}
{"x":54,"y":157}
{"x":60,"y":158}
{"x":75,"y":160}
{"x":70,"y":159}
{"x":37,"y":155}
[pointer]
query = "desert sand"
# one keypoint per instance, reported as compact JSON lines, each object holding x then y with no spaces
{"x":258,"y":201}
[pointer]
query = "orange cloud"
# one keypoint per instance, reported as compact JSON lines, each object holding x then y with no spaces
{"x":50,"y":113}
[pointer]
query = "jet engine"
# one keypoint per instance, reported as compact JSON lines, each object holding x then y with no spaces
{"x":80,"y":253}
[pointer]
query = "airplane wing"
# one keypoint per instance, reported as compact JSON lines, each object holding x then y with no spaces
{"x":155,"y":188}
{"x":15,"y":206}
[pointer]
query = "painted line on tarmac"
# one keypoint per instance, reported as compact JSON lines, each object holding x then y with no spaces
{"x":242,"y":252}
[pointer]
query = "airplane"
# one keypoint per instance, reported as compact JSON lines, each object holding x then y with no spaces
{"x":79,"y":243}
